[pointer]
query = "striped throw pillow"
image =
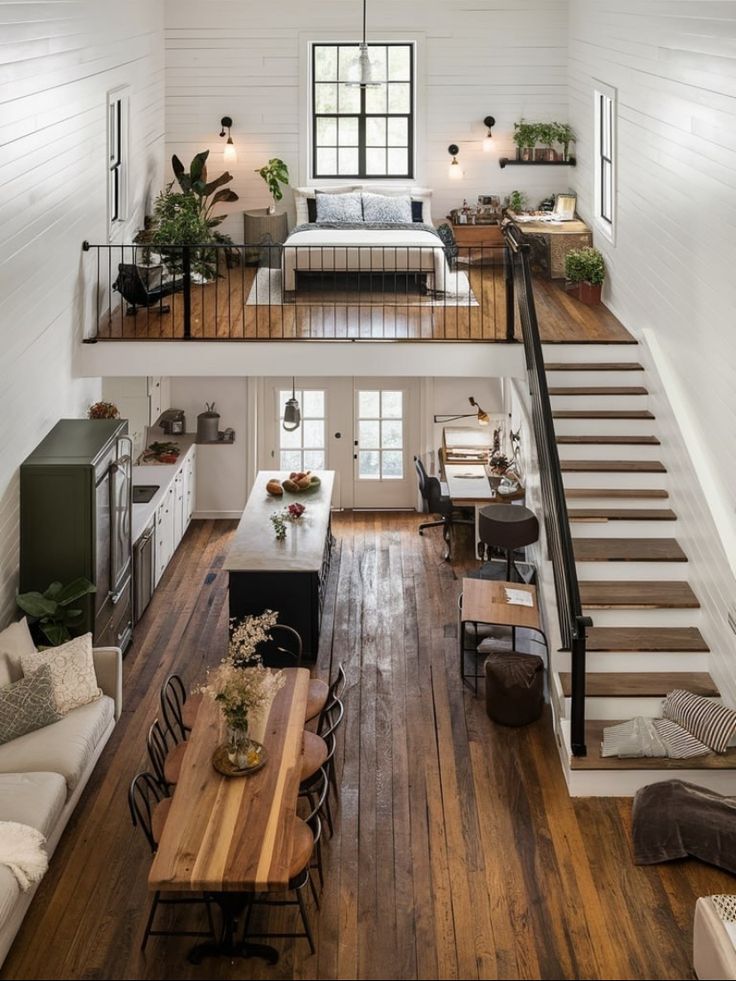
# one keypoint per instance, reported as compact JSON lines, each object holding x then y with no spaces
{"x":710,"y":722}
{"x":681,"y":745}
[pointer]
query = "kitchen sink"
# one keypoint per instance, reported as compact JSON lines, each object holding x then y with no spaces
{"x":143,"y":493}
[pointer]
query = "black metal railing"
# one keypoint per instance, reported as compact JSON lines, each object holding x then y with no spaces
{"x":283,"y":292}
{"x":573,"y":622}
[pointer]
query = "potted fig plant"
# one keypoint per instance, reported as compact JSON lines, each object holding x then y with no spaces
{"x":586,"y":269}
{"x":525,"y":138}
{"x":275,"y":173}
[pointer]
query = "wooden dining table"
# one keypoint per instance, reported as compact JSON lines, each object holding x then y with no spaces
{"x":231,"y":837}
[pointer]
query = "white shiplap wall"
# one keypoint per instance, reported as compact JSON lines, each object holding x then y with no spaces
{"x":671,"y":270}
{"x":60,"y":58}
{"x":245,"y":59}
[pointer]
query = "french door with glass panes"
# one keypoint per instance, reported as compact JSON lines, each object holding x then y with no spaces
{"x":364,"y":429}
{"x":385,"y":425}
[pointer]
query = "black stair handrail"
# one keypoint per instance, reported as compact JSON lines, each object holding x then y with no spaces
{"x":573,"y":623}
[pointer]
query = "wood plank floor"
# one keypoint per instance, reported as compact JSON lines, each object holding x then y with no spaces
{"x":457,"y":853}
{"x":220,"y":313}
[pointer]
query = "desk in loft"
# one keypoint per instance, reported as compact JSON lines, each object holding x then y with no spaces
{"x":288,"y":576}
{"x":551,"y":243}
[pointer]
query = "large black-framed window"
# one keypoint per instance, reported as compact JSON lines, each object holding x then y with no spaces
{"x":362,"y":132}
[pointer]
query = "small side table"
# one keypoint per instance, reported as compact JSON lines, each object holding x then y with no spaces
{"x":484,"y":601}
{"x":261,"y":228}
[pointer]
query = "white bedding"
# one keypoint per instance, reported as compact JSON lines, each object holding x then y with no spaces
{"x":365,"y":250}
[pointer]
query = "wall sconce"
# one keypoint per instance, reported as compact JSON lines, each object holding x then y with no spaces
{"x":230,"y":156}
{"x":482,"y":417}
{"x":454,"y":172}
{"x":489,"y":122}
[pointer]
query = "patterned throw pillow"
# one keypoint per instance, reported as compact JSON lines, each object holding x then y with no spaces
{"x":339,"y":207}
{"x":710,"y":722}
{"x":27,"y":704}
{"x":302,"y":195}
{"x":72,"y":672}
{"x":382,"y":208}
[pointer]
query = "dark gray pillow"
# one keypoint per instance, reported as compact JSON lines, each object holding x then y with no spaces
{"x":27,"y":704}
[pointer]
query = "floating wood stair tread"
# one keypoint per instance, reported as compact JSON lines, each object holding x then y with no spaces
{"x":594,"y":366}
{"x":621,"y":514}
{"x":628,"y":550}
{"x":599,"y":390}
{"x":608,"y":440}
{"x":643,"y":684}
{"x":645,"y":639}
{"x":614,"y":594}
{"x":612,"y":466}
{"x":602,"y":414}
{"x":642,"y":493}
{"x":594,"y":761}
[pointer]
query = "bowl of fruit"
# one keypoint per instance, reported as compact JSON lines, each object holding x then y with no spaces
{"x":298,"y":482}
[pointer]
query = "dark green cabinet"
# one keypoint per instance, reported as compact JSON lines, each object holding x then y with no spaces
{"x":75,"y":520}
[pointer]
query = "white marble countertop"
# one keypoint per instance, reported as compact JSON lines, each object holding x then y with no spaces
{"x":156,"y":473}
{"x":254,"y":547}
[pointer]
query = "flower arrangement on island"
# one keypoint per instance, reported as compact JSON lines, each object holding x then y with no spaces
{"x":279,"y":518}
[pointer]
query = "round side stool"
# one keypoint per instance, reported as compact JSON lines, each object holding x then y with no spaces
{"x":514,"y":688}
{"x":507,"y":526}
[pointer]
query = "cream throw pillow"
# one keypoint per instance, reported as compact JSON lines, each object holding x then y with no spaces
{"x":72,"y":672}
{"x":15,"y":641}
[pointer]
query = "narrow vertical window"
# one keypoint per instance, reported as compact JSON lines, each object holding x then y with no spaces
{"x":117,"y":146}
{"x":605,"y":155}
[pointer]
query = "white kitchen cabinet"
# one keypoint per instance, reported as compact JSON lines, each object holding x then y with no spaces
{"x":141,"y":401}
{"x":179,"y":506}
{"x":165,"y":541}
{"x":190,"y":484}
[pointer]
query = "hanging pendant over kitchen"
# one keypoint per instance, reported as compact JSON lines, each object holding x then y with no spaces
{"x":292,"y":412}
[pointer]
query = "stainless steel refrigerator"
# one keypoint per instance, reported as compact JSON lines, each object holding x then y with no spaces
{"x":75,"y":520}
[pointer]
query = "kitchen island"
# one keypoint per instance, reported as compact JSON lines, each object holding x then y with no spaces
{"x":290,"y":576}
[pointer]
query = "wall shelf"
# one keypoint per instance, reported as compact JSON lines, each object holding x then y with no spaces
{"x":512,"y":162}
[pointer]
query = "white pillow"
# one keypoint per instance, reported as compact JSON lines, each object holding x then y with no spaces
{"x":339,"y":207}
{"x":15,"y":641}
{"x":73,"y":675}
{"x":386,"y":208}
{"x":302,"y":193}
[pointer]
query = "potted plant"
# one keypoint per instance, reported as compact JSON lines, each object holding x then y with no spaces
{"x":586,"y":268}
{"x":275,"y":173}
{"x":547,"y":133}
{"x":517,"y":202}
{"x":565,"y":136}
{"x":103,"y":410}
{"x":525,"y":138}
{"x":52,"y":611}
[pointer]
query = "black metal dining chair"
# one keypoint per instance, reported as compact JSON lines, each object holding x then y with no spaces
{"x":149,"y":808}
{"x":435,"y":502}
{"x":306,"y":854}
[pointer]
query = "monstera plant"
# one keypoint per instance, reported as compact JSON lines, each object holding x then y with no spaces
{"x":275,"y":173}
{"x":53,"y":610}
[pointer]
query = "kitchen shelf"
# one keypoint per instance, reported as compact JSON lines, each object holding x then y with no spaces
{"x":215,"y":442}
{"x":512,"y":162}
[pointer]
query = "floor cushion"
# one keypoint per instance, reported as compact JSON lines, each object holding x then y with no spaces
{"x":714,"y":952}
{"x":36,"y":799}
{"x":66,"y":747}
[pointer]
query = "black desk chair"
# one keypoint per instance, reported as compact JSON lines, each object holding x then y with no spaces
{"x":435,"y":502}
{"x":141,"y":286}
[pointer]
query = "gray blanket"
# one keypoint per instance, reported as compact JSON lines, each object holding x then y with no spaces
{"x":676,"y":819}
{"x":362,"y":226}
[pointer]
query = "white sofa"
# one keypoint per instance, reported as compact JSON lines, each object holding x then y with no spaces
{"x":43,"y":774}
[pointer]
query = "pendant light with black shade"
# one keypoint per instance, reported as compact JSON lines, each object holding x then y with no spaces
{"x":292,"y":412}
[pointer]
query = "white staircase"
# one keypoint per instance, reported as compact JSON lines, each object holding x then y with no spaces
{"x":633,"y":572}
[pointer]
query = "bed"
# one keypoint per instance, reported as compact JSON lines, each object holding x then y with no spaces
{"x":402,"y":253}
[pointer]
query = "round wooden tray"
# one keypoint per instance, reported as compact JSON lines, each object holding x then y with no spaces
{"x":222,"y":764}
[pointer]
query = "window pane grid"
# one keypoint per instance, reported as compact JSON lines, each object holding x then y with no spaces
{"x":605,"y":157}
{"x":380,"y":435}
{"x":380,"y":134}
{"x":303,"y":448}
